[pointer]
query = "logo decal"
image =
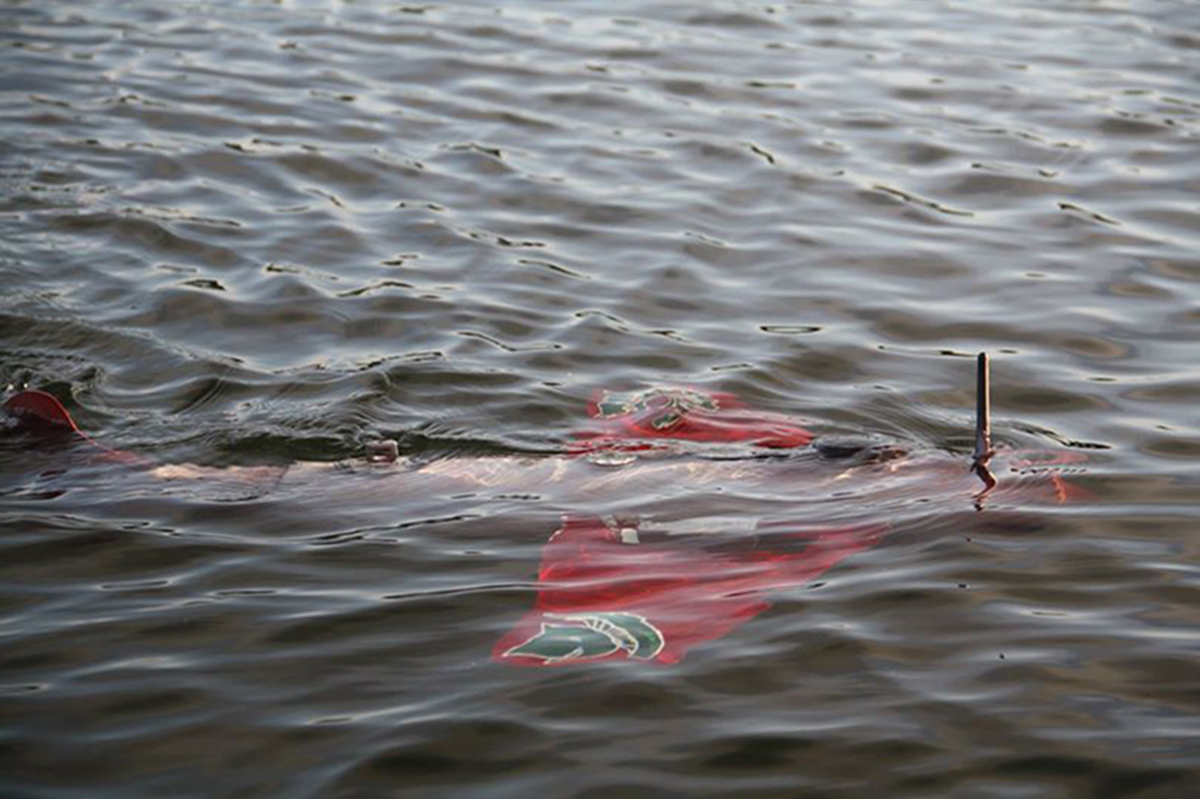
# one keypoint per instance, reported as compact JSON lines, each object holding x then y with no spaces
{"x":584,"y":636}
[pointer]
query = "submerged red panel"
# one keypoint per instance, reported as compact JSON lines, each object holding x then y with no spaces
{"x":602,"y":596}
{"x":638,"y":421}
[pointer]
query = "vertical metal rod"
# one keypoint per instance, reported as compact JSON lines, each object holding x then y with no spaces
{"x":983,"y":427}
{"x":983,"y":410}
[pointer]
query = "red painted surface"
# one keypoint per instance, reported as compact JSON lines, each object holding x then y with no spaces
{"x":683,"y":593}
{"x":643,"y":421}
{"x":38,"y":407}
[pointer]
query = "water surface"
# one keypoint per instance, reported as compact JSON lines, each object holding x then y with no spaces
{"x":255,"y":233}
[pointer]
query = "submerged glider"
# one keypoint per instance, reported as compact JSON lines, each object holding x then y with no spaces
{"x":616,"y":585}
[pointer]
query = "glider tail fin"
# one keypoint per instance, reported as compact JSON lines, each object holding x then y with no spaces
{"x":37,"y":409}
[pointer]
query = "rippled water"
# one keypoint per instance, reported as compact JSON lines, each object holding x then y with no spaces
{"x":260,"y":233}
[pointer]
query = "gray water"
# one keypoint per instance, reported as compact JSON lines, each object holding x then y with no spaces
{"x":267,"y":232}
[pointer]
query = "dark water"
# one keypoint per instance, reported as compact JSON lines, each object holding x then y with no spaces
{"x":246,"y":233}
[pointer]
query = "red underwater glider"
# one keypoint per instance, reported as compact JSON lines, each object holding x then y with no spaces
{"x":643,"y":591}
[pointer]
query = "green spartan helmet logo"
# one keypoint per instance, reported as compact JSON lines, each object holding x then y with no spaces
{"x":582,"y":636}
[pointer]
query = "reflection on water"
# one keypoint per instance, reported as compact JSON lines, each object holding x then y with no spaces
{"x":261,"y":233}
